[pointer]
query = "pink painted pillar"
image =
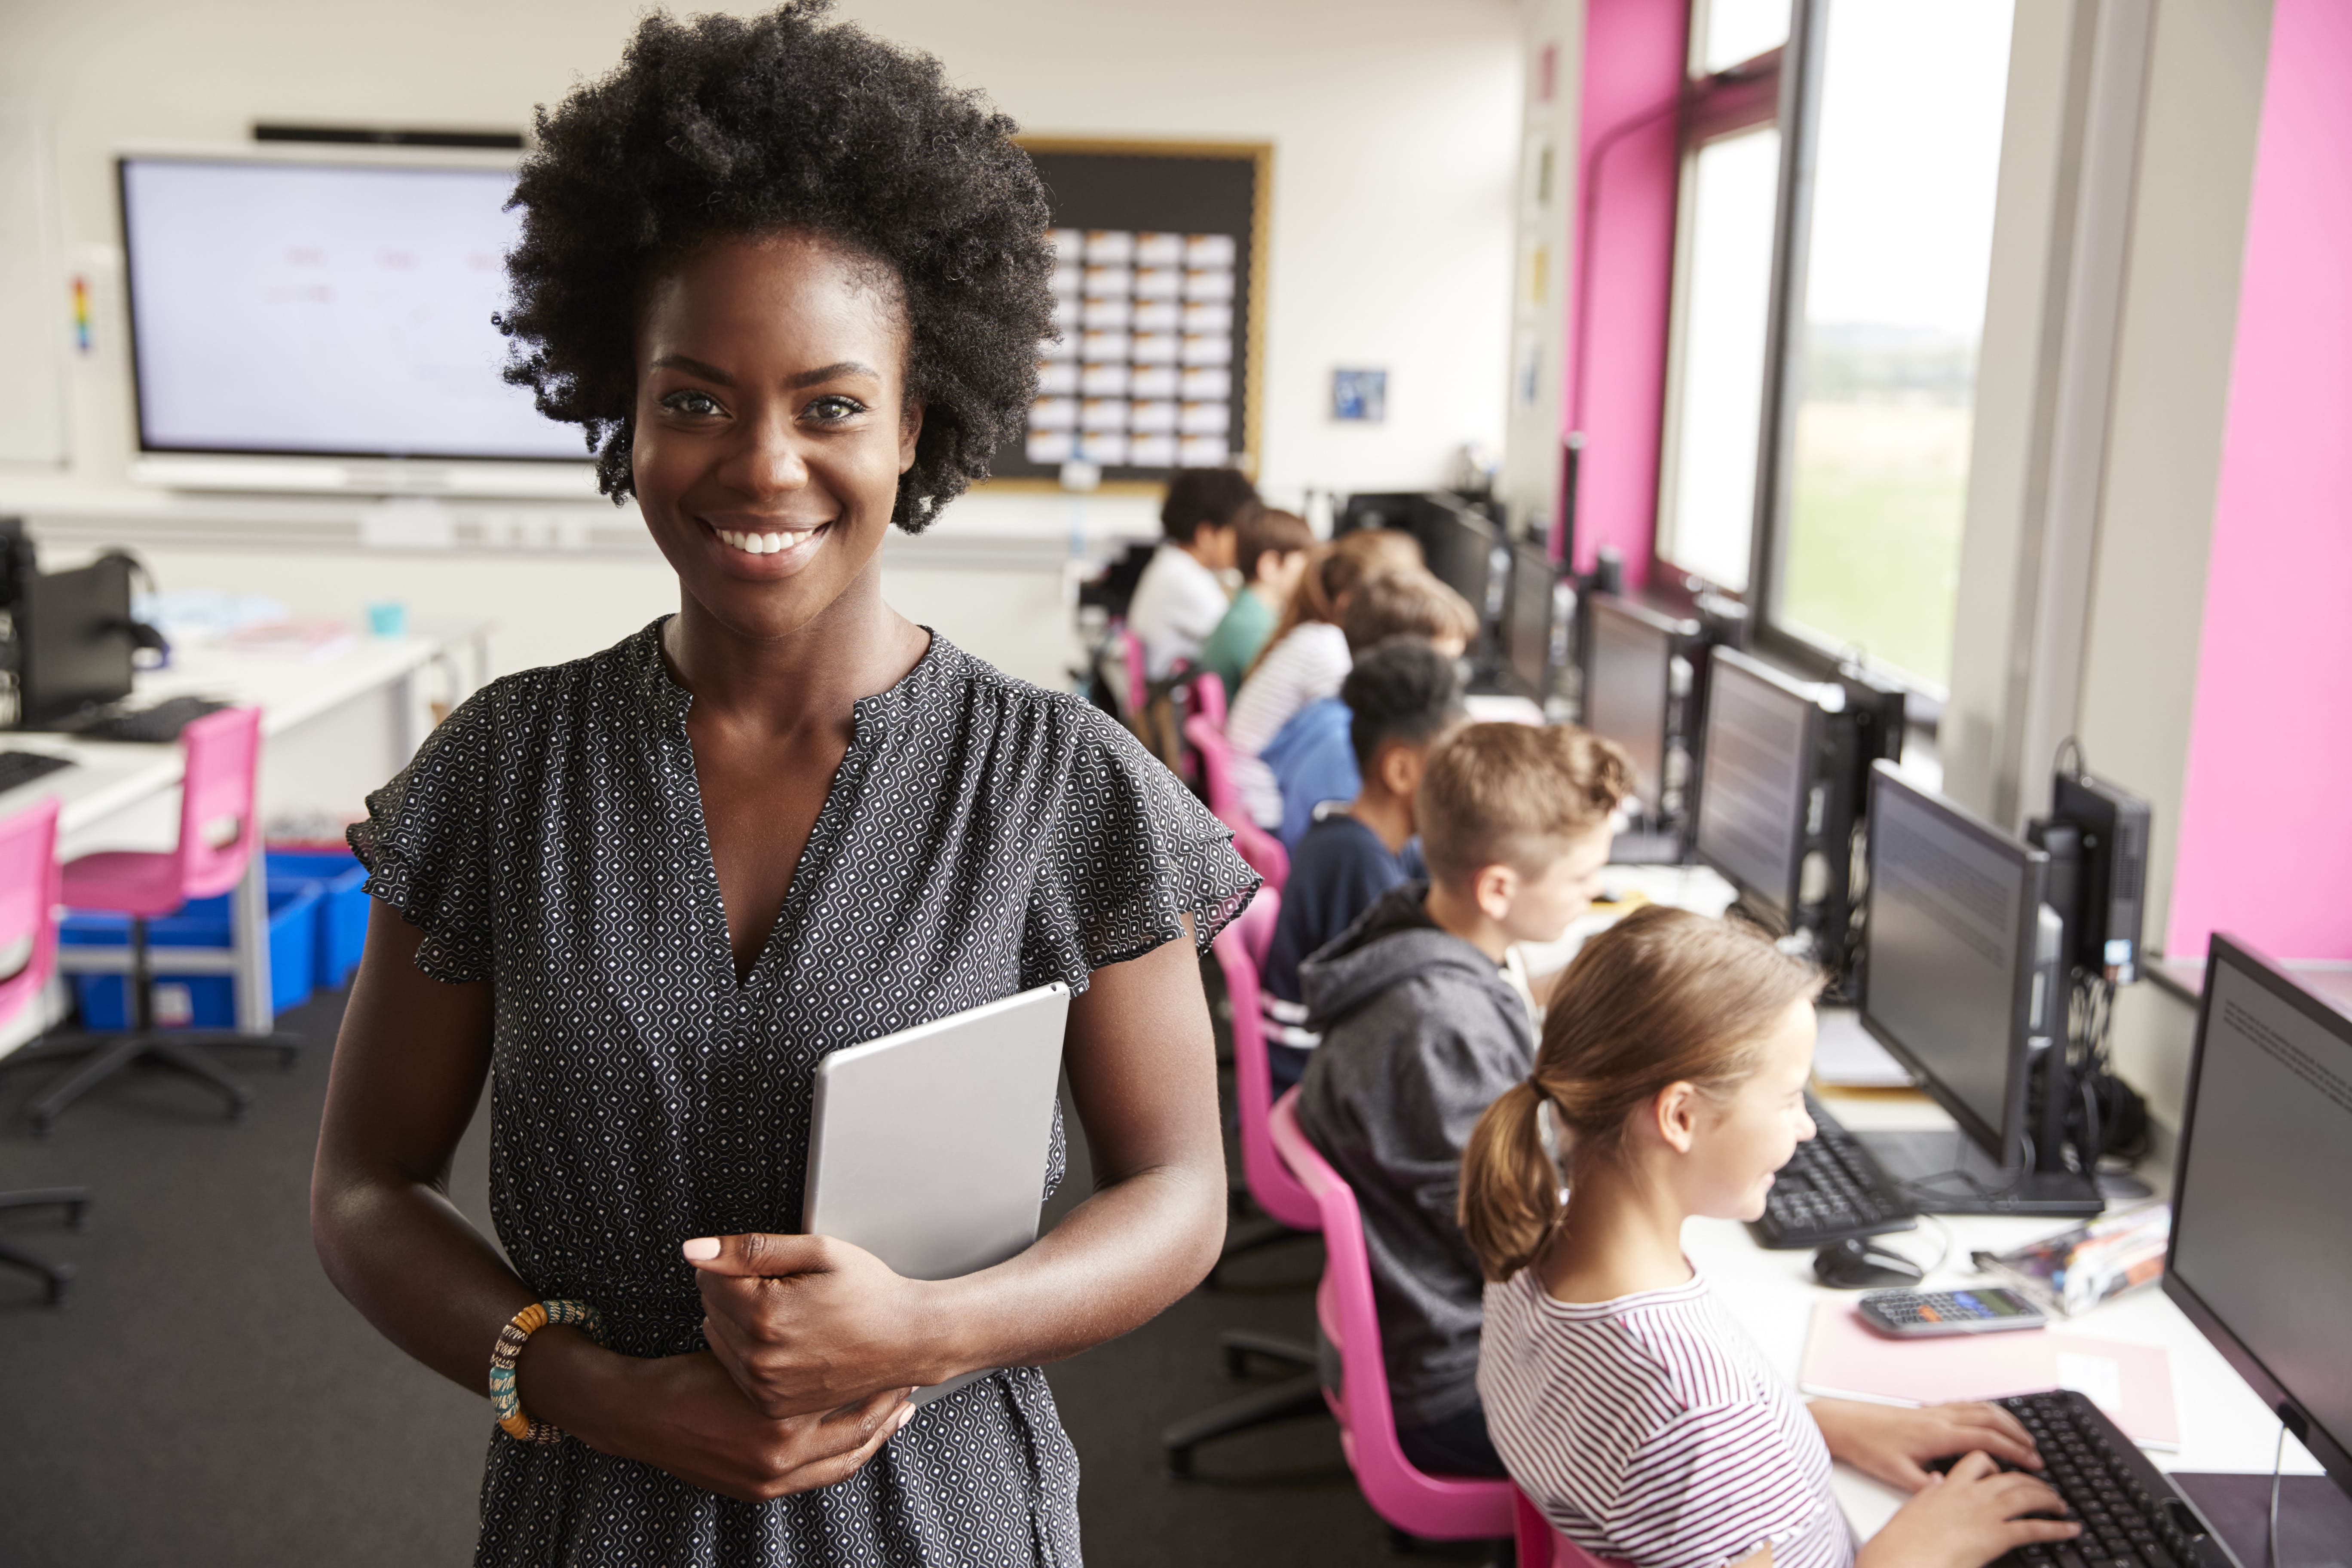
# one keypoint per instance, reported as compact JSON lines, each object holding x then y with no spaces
{"x":2265,"y":845}
{"x":1635,"y":61}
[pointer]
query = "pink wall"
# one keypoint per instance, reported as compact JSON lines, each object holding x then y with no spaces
{"x":2266,"y":846}
{"x":1634,"y":52}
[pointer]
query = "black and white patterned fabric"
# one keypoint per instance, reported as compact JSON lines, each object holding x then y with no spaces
{"x":981,"y":836}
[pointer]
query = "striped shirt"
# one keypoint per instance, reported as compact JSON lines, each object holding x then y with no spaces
{"x":1649,"y":1430}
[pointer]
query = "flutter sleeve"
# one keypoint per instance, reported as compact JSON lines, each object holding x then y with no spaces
{"x":428,"y":842}
{"x":1131,"y":852}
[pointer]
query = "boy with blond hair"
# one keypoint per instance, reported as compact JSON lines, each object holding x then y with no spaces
{"x":1421,"y":1030}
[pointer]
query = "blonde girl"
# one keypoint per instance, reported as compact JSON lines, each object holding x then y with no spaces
{"x":1623,"y":1398}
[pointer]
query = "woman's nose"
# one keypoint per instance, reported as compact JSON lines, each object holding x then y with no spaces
{"x":769,"y":462}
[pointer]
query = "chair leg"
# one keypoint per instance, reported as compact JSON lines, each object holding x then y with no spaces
{"x":75,"y":1201}
{"x":1240,"y":1344}
{"x":1283,"y":1401}
{"x":104,"y":1062}
{"x":59,"y":1277}
{"x":288,"y":1047}
{"x":199,"y":1064}
{"x":1250,"y":1235}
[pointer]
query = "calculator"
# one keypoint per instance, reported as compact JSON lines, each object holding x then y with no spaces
{"x":1911,"y":1314}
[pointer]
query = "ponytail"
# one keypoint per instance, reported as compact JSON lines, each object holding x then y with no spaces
{"x":1510,"y":1187}
{"x":1664,"y":997}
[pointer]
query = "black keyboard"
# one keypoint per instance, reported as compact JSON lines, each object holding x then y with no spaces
{"x":1832,"y":1190}
{"x":2132,"y":1517}
{"x":155,"y":726}
{"x":20,"y":768}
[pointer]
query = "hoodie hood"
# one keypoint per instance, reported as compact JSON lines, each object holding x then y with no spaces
{"x":1392,"y":943}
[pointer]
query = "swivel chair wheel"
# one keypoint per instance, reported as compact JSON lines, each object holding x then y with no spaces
{"x":286,"y":1057}
{"x":60,"y":1281}
{"x":42,"y":1122}
{"x":239,"y":1106}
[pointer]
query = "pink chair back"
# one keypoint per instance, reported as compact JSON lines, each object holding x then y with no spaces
{"x":1441,"y":1507}
{"x":1541,"y":1546}
{"x":222,"y":754}
{"x":1139,"y":680}
{"x":1240,"y":948}
{"x":1261,"y":849}
{"x":1209,"y":699}
{"x":30,"y":881}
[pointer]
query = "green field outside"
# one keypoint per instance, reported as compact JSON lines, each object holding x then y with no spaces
{"x":1874,"y":546}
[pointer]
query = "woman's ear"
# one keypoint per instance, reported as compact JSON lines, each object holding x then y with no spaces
{"x":910,"y":427}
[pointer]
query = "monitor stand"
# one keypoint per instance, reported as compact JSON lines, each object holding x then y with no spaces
{"x":1946,"y":1172}
{"x":2314,"y":1517}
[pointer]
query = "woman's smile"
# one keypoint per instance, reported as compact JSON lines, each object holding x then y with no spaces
{"x":779,"y":546}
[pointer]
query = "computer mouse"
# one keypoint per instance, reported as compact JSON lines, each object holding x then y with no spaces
{"x":1857,"y":1263}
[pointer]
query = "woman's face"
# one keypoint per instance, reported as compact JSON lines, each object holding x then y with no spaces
{"x":772,"y":424}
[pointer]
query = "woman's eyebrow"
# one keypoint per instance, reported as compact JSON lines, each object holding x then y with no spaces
{"x":695,"y":367}
{"x":830,"y":371}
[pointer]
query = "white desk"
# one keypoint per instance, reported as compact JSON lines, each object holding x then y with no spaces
{"x":323,"y":748}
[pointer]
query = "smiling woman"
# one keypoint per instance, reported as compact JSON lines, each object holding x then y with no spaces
{"x":790,"y":284}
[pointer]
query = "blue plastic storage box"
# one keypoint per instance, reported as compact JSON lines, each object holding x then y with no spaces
{"x":342,"y":907}
{"x":211,"y":998}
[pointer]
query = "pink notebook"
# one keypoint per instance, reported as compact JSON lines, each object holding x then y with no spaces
{"x":1844,"y":1359}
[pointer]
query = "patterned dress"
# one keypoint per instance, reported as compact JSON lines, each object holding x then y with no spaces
{"x":981,"y":836}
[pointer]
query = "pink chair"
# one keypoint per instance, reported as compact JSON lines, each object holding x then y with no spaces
{"x":28,"y":923}
{"x":1288,"y":1209}
{"x":1138,"y":678}
{"x":219,"y":835}
{"x":1261,"y":849}
{"x":1541,"y":1546}
{"x":1209,"y":699}
{"x":1438,"y":1508}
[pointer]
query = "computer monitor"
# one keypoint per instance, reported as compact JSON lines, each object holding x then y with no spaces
{"x":74,"y":641}
{"x":1629,"y":688}
{"x":1961,"y":981}
{"x":1528,"y":620}
{"x":1755,"y":792}
{"x":2261,"y":1258}
{"x":1458,"y":544}
{"x":326,"y":306}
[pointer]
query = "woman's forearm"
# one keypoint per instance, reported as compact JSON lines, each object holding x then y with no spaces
{"x":1118,"y":1259}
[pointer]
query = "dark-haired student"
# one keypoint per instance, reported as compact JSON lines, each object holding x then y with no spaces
{"x":1179,"y":599}
{"x":1271,"y":549}
{"x":788,"y":280}
{"x":1401,"y":697}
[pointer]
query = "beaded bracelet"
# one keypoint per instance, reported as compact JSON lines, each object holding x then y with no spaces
{"x":505,"y":1402}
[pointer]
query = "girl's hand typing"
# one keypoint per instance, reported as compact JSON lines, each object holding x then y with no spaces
{"x":1967,"y":1517}
{"x":1890,"y":1443}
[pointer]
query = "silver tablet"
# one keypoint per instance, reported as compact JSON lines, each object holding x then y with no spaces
{"x":927,"y":1147}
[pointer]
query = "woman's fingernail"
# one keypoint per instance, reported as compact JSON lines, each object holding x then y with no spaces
{"x":701,"y":1249}
{"x":906,"y":1414}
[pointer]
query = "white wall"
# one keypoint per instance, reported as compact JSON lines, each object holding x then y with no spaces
{"x":1395,"y":124}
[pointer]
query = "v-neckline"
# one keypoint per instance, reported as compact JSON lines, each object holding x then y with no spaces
{"x":866,"y":723}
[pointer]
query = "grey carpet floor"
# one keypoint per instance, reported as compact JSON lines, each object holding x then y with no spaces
{"x":204,"y":1397}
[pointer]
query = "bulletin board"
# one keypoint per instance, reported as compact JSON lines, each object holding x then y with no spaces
{"x":1159,"y":296}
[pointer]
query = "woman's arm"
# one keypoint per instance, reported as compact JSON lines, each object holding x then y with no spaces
{"x":409,"y":1072}
{"x":806,"y":1323}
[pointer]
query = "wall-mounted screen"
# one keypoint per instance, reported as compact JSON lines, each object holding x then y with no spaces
{"x":325,"y":308}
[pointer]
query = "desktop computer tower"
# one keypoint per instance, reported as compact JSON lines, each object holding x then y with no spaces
{"x":2114,"y":827}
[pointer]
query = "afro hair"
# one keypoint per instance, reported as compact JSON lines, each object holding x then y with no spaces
{"x":721,"y":126}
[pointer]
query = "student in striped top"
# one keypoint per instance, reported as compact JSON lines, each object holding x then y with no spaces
{"x":1624,"y":1399}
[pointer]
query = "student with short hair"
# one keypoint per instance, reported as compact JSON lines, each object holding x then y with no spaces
{"x":1272,"y":550}
{"x":1626,"y":1401}
{"x":1421,"y":1030}
{"x":1310,"y":759}
{"x":1306,"y":658}
{"x":1401,"y":697}
{"x":1179,"y":600}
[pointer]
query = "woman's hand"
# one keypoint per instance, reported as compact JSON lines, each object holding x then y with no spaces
{"x":1967,"y":1517}
{"x":1890,"y":1442}
{"x":683,"y":1414}
{"x":806,"y":1323}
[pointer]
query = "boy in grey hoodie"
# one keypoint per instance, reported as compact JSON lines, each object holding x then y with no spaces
{"x":1422,"y":1029}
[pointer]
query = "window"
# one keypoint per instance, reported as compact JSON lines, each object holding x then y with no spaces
{"x":1726,"y":32}
{"x":1715,"y":365}
{"x":1882,"y":379}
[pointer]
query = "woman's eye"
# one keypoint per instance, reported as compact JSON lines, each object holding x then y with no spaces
{"x":692,"y":404}
{"x":833,"y":408}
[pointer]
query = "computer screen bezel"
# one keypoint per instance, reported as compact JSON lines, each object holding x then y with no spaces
{"x":2005,"y":1143}
{"x":1786,"y":902}
{"x":1601,"y":606}
{"x":284,"y":155}
{"x":1529,"y":556}
{"x":2325,"y":1447}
